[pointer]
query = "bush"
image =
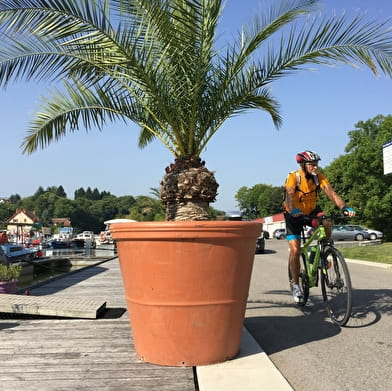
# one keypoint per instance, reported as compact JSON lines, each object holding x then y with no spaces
{"x":10,"y":273}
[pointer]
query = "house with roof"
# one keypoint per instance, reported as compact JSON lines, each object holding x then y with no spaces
{"x":20,"y":224}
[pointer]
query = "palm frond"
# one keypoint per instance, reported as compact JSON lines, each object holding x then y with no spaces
{"x":156,"y":62}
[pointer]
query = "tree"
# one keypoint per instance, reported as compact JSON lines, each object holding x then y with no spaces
{"x":63,"y":207}
{"x":146,"y":209}
{"x":124,"y":204}
{"x":60,"y":192}
{"x":6,"y":211}
{"x":359,"y":177}
{"x":15,"y":198}
{"x":156,"y":64}
{"x":79,"y":193}
{"x":260,"y":200}
{"x":38,"y":192}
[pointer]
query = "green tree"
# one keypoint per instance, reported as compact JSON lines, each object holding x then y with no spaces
{"x":260,"y":200}
{"x":359,"y":176}
{"x":82,"y":218}
{"x":156,"y":64}
{"x":44,"y":207}
{"x":104,"y":209}
{"x":79,"y":193}
{"x":38,"y":192}
{"x":63,"y":207}
{"x":124,"y":204}
{"x":96,"y":195}
{"x":15,"y":198}
{"x":146,"y":209}
{"x":7,"y":209}
{"x":60,"y":192}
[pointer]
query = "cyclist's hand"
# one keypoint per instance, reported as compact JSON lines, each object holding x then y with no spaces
{"x":347,"y":211}
{"x":296,"y":212}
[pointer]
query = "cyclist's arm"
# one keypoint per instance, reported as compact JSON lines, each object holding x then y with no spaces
{"x":290,"y":191}
{"x":333,"y":196}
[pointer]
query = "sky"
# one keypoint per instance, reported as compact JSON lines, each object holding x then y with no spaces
{"x":319,"y":107}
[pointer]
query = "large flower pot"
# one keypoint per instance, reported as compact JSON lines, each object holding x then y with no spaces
{"x":186,"y":285}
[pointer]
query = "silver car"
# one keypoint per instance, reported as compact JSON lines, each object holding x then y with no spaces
{"x":347,"y":232}
{"x":372,"y":232}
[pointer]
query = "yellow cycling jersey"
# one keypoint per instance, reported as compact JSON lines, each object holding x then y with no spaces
{"x":305,"y":197}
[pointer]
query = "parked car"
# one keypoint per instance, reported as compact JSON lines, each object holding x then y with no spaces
{"x":372,"y":232}
{"x":279,"y":233}
{"x":260,"y":244}
{"x":346,"y":232}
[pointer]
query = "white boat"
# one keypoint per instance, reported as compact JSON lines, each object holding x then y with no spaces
{"x":105,"y":237}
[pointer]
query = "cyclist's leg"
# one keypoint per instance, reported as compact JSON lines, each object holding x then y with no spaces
{"x":294,"y":256}
{"x":293,"y":235}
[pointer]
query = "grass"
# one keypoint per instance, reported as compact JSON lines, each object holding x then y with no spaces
{"x":378,"y":253}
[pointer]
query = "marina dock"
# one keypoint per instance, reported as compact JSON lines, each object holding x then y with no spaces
{"x":44,"y":353}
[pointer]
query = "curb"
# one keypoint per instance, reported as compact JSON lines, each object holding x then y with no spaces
{"x":251,"y":370}
{"x":369,"y":263}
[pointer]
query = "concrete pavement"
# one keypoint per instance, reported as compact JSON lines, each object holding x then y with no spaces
{"x":251,"y":370}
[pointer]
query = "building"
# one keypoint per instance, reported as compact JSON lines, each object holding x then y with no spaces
{"x":21,"y":223}
{"x":61,"y":221}
{"x":271,"y":223}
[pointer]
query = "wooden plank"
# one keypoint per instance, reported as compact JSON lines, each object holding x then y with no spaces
{"x":56,"y":354}
{"x":51,"y":306}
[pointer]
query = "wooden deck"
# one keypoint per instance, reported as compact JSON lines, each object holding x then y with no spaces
{"x":46,"y":354}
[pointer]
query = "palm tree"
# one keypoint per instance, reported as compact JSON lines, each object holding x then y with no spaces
{"x":155,"y":62}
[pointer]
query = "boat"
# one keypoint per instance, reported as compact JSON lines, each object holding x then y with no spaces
{"x":59,"y":243}
{"x":85,"y":239}
{"x":105,"y":237}
{"x":62,"y":239}
{"x":16,"y":252}
{"x":13,"y":252}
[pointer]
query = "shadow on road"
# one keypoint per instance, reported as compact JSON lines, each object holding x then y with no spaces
{"x":369,"y":305}
{"x":277,"y":333}
{"x":311,"y":323}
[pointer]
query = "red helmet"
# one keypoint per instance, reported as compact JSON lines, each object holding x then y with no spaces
{"x":307,"y":156}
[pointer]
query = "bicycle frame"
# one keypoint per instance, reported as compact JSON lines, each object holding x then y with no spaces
{"x":334,"y":275}
{"x":312,"y":268}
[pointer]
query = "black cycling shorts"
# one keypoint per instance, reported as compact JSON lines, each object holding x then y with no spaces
{"x":294,"y":225}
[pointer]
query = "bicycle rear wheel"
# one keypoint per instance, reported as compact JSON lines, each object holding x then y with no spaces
{"x":336,"y":286}
{"x":303,"y":281}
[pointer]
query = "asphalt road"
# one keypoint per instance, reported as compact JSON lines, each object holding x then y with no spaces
{"x":311,"y":352}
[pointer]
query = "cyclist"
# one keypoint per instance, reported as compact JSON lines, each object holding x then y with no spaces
{"x":301,"y":193}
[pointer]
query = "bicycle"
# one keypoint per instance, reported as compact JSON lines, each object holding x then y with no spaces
{"x":323,"y":261}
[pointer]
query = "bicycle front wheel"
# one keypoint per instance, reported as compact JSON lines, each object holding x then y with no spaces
{"x":336,"y":286}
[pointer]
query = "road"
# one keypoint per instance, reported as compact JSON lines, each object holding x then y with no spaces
{"x":309,"y":350}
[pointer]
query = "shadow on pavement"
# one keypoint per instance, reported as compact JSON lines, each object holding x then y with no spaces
{"x":369,"y":305}
{"x":278,"y":333}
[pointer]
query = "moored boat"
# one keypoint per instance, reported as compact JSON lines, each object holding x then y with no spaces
{"x":14,"y":252}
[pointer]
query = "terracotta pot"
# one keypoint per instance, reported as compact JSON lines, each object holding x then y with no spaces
{"x":186,"y":285}
{"x":7,"y":286}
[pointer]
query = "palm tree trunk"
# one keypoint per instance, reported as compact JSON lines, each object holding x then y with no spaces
{"x":187,"y":189}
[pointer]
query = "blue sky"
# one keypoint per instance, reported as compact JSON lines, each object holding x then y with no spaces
{"x":319,"y":108}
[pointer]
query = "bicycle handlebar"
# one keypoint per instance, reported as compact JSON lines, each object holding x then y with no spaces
{"x":333,"y":217}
